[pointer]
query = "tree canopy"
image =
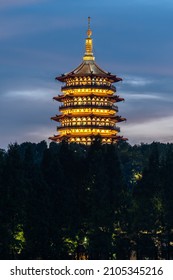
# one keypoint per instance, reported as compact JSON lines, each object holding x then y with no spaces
{"x":71,"y":201}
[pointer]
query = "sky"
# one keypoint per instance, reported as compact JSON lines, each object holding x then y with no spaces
{"x":41,"y":39}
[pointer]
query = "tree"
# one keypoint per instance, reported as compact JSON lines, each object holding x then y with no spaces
{"x":105,"y":188}
{"x":11,"y":203}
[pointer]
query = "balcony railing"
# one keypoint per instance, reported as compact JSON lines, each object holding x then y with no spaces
{"x":91,"y":85}
{"x":69,"y":126}
{"x":109,"y":107}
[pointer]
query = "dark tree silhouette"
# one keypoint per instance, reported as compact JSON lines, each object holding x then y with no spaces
{"x":70,"y":201}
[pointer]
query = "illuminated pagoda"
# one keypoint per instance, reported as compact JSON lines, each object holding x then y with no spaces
{"x":88,"y":97}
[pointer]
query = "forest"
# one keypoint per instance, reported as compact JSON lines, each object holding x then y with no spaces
{"x":71,"y":201}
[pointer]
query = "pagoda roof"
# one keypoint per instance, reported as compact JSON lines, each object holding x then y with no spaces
{"x":116,"y":98}
{"x":88,"y":68}
{"x":114,"y":117}
{"x":59,"y":137}
{"x":113,"y":97}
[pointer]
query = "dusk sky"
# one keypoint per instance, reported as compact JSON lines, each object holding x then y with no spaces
{"x":41,"y":39}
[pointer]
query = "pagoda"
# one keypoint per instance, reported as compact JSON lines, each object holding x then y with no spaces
{"x":87,"y":102}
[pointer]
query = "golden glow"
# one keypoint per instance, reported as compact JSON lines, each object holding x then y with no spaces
{"x":88,"y":101}
{"x":88,"y":92}
{"x":87,"y":111}
{"x":89,"y":46}
{"x":89,"y":131}
{"x":87,"y":107}
{"x":88,"y":57}
{"x":20,"y":238}
{"x":87,"y":121}
{"x":138,"y":176}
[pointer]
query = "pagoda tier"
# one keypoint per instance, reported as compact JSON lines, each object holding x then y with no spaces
{"x":82,"y":139}
{"x":87,"y":102}
{"x":89,"y":97}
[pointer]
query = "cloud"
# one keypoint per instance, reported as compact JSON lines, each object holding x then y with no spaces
{"x":26,"y":115}
{"x":28,"y":23}
{"x":137,"y":81}
{"x":146,"y":96}
{"x":27,"y":134}
{"x":14,"y":3}
{"x":32,"y":95}
{"x":160,"y":129}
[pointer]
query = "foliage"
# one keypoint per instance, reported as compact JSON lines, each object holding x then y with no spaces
{"x":70,"y":201}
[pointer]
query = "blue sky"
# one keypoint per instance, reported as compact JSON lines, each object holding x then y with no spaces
{"x":40,"y":39}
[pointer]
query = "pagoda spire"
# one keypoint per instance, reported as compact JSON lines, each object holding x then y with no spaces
{"x":89,"y":32}
{"x":88,"y":44}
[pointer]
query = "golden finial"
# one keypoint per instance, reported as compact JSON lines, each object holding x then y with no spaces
{"x":88,"y":44}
